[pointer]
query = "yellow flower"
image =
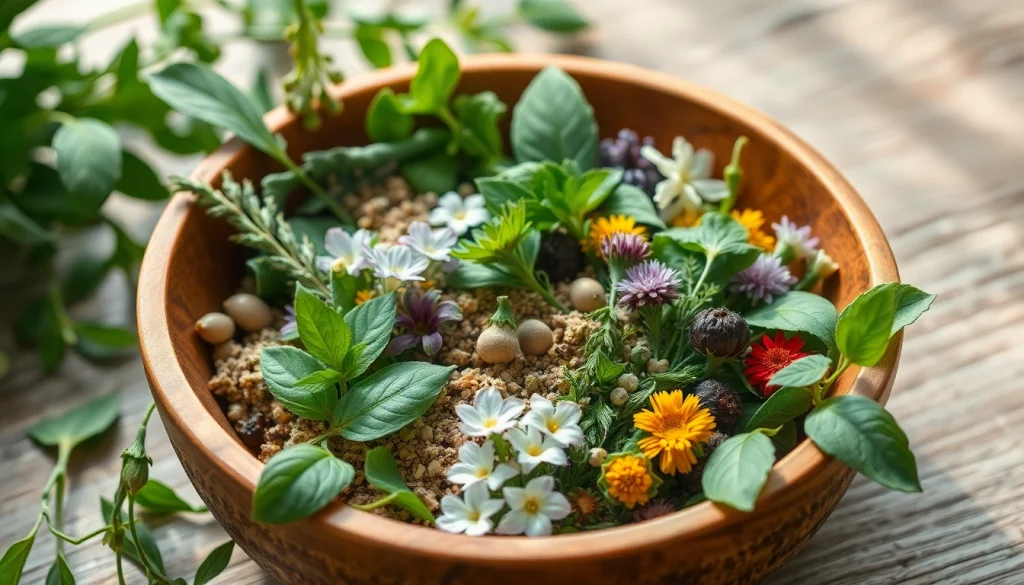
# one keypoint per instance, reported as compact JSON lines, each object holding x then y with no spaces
{"x":628,"y":479}
{"x":753,"y":220}
{"x":604,"y":227}
{"x":676,"y":427}
{"x":363,"y":296}
{"x":688,"y":218}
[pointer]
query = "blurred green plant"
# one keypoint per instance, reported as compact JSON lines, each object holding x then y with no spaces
{"x":63,"y":158}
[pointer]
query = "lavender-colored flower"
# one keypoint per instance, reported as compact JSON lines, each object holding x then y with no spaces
{"x":290,"y":329}
{"x":765,"y":278}
{"x":422,"y":318}
{"x":654,"y":509}
{"x":793,"y":239}
{"x":625,"y":248}
{"x":399,"y":262}
{"x":648,"y":284}
{"x":434,"y":244}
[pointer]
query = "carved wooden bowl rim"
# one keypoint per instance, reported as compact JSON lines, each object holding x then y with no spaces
{"x":179,"y":401}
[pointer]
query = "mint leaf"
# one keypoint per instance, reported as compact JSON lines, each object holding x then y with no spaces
{"x":860,"y":433}
{"x":784,"y":405}
{"x":630,"y":201}
{"x":77,"y":425}
{"x":322,"y":329}
{"x":385,"y":122}
{"x":480,"y":115}
{"x":717,"y":234}
{"x":283,"y":368}
{"x":552,"y":15}
{"x":371,"y":323}
{"x":865,"y":325}
{"x":554,"y":122}
{"x":159,"y":498}
{"x":911,"y":303}
{"x":799,"y":312}
{"x":389,"y":399}
{"x":297,"y":482}
{"x":738,"y":469}
{"x":48,"y":37}
{"x":803,"y":372}
{"x":382,"y":473}
{"x":214,"y":563}
{"x":471,"y":275}
{"x":594,"y":188}
{"x":88,"y":161}
{"x":435,"y":80}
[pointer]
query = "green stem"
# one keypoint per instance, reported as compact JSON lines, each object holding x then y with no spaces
{"x":151,"y":572}
{"x":524,"y":271}
{"x":376,"y":504}
{"x":76,"y":541}
{"x":703,"y":275}
{"x":844,"y":363}
{"x":327,"y":435}
{"x":67,"y":327}
{"x":652,"y":319}
{"x":336,"y":207}
{"x":458,"y":129}
{"x":125,"y":13}
{"x":120,"y":569}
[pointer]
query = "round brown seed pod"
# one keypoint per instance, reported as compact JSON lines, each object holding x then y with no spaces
{"x":719,"y":332}
{"x":535,"y":337}
{"x":249,"y":311}
{"x":724,"y":403}
{"x":215,"y":328}
{"x":587,"y":294}
{"x":497,"y":345}
{"x":252,"y":432}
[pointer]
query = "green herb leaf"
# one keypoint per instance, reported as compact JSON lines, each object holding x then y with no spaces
{"x":373,"y":46}
{"x":214,"y":563}
{"x":389,"y":399}
{"x":159,"y":498}
{"x":283,"y":367}
{"x":298,"y":482}
{"x":784,"y":405}
{"x":139,"y":180}
{"x":48,"y":37}
{"x":497,"y":192}
{"x":88,"y":161}
{"x":382,"y":473}
{"x":605,"y":370}
{"x":59,"y":573}
{"x":552,"y":15}
{"x":472,"y":275}
{"x":860,"y":433}
{"x":911,"y":303}
{"x":18,"y":227}
{"x":803,"y":372}
{"x":865,"y":325}
{"x":553,"y":121}
{"x":799,"y":312}
{"x":716,"y":235}
{"x":480,"y":115}
{"x":271,"y":283}
{"x":384,"y":121}
{"x":102,"y":342}
{"x":321,"y":328}
{"x":196,"y":90}
{"x":316,"y":379}
{"x":630,"y":201}
{"x":343,"y":291}
{"x":738,"y":469}
{"x":436,"y":173}
{"x":77,"y":425}
{"x":13,"y":561}
{"x":262,"y":92}
{"x":371,"y":323}
{"x":435,"y":80}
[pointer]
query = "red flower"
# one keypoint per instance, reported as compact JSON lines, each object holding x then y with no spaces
{"x":770,"y":357}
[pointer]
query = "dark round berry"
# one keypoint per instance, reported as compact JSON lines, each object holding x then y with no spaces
{"x":691,"y":481}
{"x":719,"y":332}
{"x":560,"y":257}
{"x":623,"y":152}
{"x":725,"y":404}
{"x":252,"y":432}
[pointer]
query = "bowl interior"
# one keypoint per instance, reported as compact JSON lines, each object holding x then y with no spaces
{"x":197,"y":267}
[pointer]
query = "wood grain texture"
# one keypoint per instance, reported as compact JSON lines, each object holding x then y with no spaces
{"x":919,"y":103}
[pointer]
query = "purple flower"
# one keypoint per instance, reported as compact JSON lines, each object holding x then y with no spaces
{"x":422,"y":318}
{"x":765,"y":278}
{"x":794,"y":240}
{"x":654,"y":509}
{"x":290,"y":329}
{"x":625,"y":248}
{"x":648,"y":284}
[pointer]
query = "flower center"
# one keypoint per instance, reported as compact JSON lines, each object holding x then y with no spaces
{"x":534,"y":450}
{"x":777,"y":358}
{"x":473,"y":515}
{"x":459,"y":215}
{"x":339,"y":265}
{"x":531,"y":506}
{"x":490,"y":423}
{"x":553,"y":426}
{"x":482,"y":472}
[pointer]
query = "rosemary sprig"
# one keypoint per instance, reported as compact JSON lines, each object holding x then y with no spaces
{"x":261,"y":226}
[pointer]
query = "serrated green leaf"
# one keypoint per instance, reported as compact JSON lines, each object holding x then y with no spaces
{"x":322,"y":329}
{"x":283,"y":367}
{"x":371,"y":323}
{"x":389,"y":399}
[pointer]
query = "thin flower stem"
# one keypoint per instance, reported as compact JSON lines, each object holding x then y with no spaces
{"x":524,"y":272}
{"x":376,"y":504}
{"x":120,"y":569}
{"x":704,"y":274}
{"x":844,"y":363}
{"x":123,"y":14}
{"x":458,"y":129}
{"x":72,"y":540}
{"x":336,"y":207}
{"x":151,"y":571}
{"x":67,"y":327}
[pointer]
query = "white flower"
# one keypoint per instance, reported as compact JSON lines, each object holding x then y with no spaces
{"x":533,"y":508}
{"x":458,"y":213}
{"x":399,"y":262}
{"x":436,"y":244}
{"x":476,"y":464}
{"x":822,"y":265}
{"x":471,"y":515}
{"x":795,"y":240}
{"x":489,"y":413}
{"x":687,"y":184}
{"x":345,"y":251}
{"x":533,"y":448}
{"x":561,"y":422}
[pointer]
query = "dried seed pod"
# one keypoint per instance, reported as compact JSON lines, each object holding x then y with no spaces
{"x":691,"y":481}
{"x":597,"y":457}
{"x":629,"y":382}
{"x":249,"y":311}
{"x":618,"y":396}
{"x":724,"y":403}
{"x":560,"y":257}
{"x":587,"y":294}
{"x":499,"y":344}
{"x":215,"y":328}
{"x":535,"y":337}
{"x":720,"y":333}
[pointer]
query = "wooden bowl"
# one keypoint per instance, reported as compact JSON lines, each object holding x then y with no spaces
{"x":190,"y":268}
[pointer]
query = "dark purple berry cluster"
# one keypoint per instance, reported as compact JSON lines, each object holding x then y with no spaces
{"x":623,"y":152}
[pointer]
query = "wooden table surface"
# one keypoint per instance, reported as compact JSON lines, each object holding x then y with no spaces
{"x":919,"y":102}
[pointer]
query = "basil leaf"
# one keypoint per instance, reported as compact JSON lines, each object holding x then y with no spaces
{"x":865,"y":325}
{"x":552,"y":15}
{"x":343,"y":290}
{"x":553,"y":121}
{"x":497,"y":192}
{"x":77,"y":425}
{"x":59,"y":573}
{"x":803,"y":372}
{"x":631,"y":201}
{"x":800,"y":312}
{"x":321,"y":328}
{"x":738,"y":469}
{"x":480,"y":114}
{"x":13,"y":561}
{"x":784,"y":405}
{"x":139,"y":180}
{"x":297,"y":482}
{"x":159,"y":498}
{"x":384,"y":121}
{"x":102,"y":342}
{"x":48,"y":37}
{"x":911,"y":303}
{"x":860,"y":433}
{"x":88,"y":161}
{"x":214,"y":563}
{"x":435,"y":80}
{"x":435,"y":173}
{"x":198,"y":91}
{"x":315,"y":379}
{"x":389,"y":399}
{"x":382,"y":473}
{"x":283,"y":367}
{"x":371,"y":323}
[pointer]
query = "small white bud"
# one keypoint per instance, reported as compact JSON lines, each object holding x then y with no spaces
{"x":597,"y":456}
{"x":619,"y":396}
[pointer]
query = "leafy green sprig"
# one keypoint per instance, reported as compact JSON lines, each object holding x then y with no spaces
{"x":306,"y":85}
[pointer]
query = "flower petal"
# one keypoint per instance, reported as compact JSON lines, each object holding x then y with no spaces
{"x":512,"y":523}
{"x":537,"y":525}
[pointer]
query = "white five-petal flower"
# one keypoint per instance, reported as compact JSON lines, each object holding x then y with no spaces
{"x":398,"y":262}
{"x":687,"y":181}
{"x":345,"y":251}
{"x":476,"y":464}
{"x":560,"y":422}
{"x":459,"y":214}
{"x":434,"y":244}
{"x":794,"y":239}
{"x":533,"y":448}
{"x":490,"y":414}
{"x":532,"y":508}
{"x":471,"y":513}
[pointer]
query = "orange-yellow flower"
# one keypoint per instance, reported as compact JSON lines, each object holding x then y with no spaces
{"x":363,"y":296}
{"x":688,"y":218}
{"x":676,"y":426}
{"x":604,"y":227}
{"x":628,"y":479}
{"x":753,"y":220}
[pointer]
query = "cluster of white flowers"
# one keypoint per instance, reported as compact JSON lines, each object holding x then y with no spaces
{"x":404,"y":262}
{"x":540,"y":436}
{"x":459,"y":214}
